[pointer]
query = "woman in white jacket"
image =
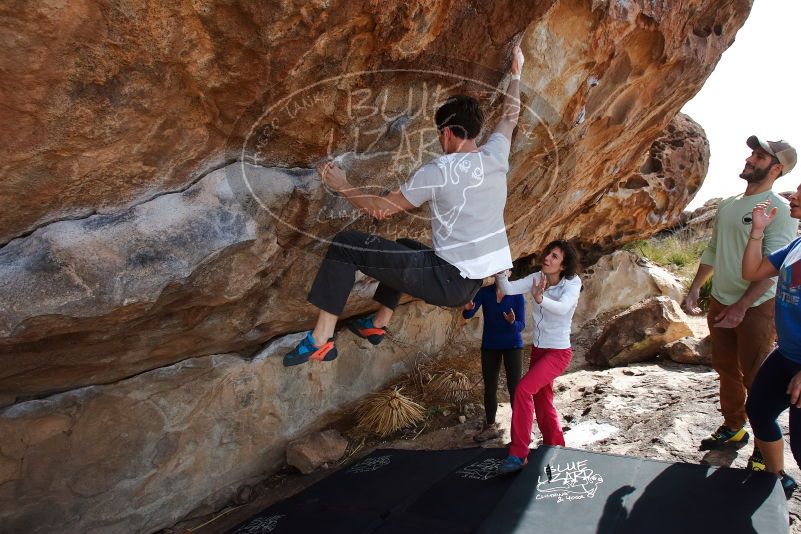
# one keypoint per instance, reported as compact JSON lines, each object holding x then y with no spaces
{"x":556,"y":291}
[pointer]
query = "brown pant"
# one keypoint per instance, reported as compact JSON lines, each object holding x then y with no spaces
{"x":737,"y":354}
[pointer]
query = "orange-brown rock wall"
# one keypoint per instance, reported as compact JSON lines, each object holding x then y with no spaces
{"x":160,"y":207}
{"x":127,"y":121}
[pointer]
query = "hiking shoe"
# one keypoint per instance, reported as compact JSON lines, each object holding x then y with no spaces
{"x":365,"y":329}
{"x":724,"y":436}
{"x":512,"y":464}
{"x":307,"y":350}
{"x":788,"y":485}
{"x":756,"y":462}
{"x":488,"y":432}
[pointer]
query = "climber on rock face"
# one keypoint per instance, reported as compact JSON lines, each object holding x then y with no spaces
{"x":466,"y":193}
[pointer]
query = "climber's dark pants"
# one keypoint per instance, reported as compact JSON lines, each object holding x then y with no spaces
{"x":402,"y":266}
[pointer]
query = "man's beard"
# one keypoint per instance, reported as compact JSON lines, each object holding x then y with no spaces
{"x":755,"y":176}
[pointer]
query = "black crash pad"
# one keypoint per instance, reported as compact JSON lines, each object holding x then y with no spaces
{"x":561,"y":490}
{"x":570,"y":490}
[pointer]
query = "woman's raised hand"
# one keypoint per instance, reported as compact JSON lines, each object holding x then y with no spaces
{"x":538,"y":289}
{"x":760,"y":217}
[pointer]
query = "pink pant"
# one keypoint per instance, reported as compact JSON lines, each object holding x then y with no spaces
{"x":534,"y":394}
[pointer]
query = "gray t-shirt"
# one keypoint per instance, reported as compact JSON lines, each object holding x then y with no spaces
{"x":466,"y":193}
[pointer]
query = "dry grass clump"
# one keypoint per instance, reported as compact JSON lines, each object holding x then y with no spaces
{"x":431,"y":378}
{"x":450,"y":377}
{"x":388,"y":411}
{"x":450,"y":385}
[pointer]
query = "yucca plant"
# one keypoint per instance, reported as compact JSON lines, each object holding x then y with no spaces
{"x":450,"y":385}
{"x":388,"y":411}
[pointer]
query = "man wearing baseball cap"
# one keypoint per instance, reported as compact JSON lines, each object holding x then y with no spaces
{"x":740,"y":313}
{"x":784,"y":153}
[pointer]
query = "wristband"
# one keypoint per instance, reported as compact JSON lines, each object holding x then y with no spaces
{"x":515,"y":76}
{"x":756,"y":238}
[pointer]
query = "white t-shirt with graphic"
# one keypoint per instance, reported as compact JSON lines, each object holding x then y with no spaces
{"x":466,"y":193}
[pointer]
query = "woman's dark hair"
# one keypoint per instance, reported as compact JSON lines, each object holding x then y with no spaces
{"x":570,"y":261}
{"x":462,"y":114}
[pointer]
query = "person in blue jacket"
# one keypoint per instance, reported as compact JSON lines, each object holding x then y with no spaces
{"x":502,"y":341}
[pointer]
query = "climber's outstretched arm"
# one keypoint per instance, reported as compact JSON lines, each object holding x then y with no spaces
{"x":377,"y":206}
{"x":511,"y":103}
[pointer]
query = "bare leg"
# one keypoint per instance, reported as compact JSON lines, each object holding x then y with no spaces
{"x":324,"y":329}
{"x":382,"y":317}
{"x":773,"y":452}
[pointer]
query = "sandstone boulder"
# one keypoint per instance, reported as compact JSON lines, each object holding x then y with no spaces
{"x":310,"y":452}
{"x":124,"y":252}
{"x":689,"y":350}
{"x":141,"y":453}
{"x":638,"y":333}
{"x":699,"y":222}
{"x":620,"y":280}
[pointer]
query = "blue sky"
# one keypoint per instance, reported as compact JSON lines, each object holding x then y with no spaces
{"x":753,"y":90}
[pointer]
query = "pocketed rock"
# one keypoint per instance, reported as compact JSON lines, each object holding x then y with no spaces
{"x":639,"y":333}
{"x":310,"y":452}
{"x":689,"y":350}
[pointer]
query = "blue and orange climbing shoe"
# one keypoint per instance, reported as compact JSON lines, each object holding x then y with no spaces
{"x":365,"y":329}
{"x":724,"y":436}
{"x":307,"y":350}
